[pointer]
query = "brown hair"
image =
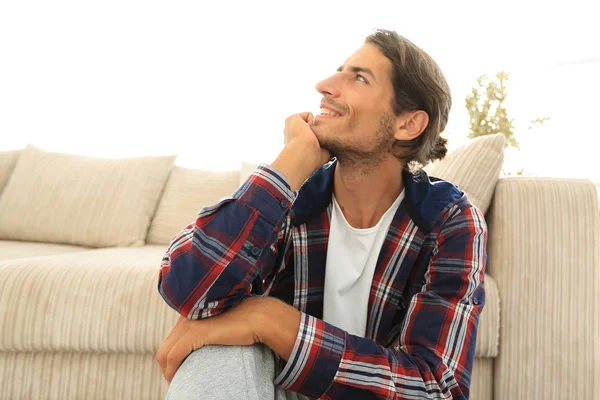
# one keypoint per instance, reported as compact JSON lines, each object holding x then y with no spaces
{"x":418,"y":85}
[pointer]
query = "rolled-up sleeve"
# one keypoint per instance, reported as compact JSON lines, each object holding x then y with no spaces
{"x":214,"y":263}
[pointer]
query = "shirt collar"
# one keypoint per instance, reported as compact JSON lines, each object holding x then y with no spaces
{"x":424,"y":198}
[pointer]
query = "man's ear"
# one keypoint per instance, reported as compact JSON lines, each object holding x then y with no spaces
{"x":411,"y":124}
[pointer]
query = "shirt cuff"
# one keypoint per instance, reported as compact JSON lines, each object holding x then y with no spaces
{"x":315,"y":358}
{"x":268,"y":191}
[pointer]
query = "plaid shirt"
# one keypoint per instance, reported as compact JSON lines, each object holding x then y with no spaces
{"x":425,"y":299}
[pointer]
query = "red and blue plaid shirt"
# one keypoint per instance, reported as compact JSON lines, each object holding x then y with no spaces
{"x":425,"y":299}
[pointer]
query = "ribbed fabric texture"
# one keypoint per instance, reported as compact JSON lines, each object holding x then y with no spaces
{"x":186,"y":192}
{"x":482,"y":376}
{"x":86,"y":201}
{"x":12,"y":249}
{"x":544,"y":254}
{"x":8,"y":160}
{"x":104,"y":300}
{"x":474,"y":168}
{"x":488,"y":331}
{"x":90,"y":376}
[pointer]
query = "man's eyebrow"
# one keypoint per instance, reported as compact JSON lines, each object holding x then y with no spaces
{"x":356,"y":69}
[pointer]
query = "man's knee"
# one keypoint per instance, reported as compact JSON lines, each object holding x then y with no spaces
{"x":225,"y":372}
{"x":210,"y":359}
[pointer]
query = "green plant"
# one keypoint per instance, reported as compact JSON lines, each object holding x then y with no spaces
{"x":488,"y":114}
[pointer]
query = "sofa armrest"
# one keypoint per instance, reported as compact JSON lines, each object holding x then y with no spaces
{"x":544,"y":252}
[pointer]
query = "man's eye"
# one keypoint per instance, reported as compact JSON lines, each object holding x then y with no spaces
{"x":361,"y":78}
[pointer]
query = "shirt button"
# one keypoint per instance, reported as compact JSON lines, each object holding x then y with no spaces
{"x":284,"y":203}
{"x":475,"y":301}
{"x":255,"y":251}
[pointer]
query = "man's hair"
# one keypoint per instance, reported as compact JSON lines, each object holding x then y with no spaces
{"x":418,"y":85}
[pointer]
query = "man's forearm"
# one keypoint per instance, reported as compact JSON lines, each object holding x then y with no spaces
{"x":278,"y":326}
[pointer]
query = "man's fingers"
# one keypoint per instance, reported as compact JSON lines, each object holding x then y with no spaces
{"x":178,"y":330}
{"x":165,"y":347}
{"x":306,"y":116}
{"x":162,"y":361}
{"x":175,"y":357}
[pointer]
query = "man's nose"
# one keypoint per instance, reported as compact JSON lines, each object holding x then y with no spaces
{"x":329,"y":87}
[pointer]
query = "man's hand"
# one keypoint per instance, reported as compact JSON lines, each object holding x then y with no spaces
{"x":302,"y":154}
{"x":298,"y":129}
{"x":234,"y":327}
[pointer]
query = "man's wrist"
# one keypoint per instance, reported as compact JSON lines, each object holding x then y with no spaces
{"x":277,"y":326}
{"x":293,"y":164}
{"x":261,"y":323}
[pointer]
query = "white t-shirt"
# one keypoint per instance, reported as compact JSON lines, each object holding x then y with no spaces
{"x":351,"y":258}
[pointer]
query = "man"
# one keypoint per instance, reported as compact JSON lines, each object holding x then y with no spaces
{"x":364,"y":281}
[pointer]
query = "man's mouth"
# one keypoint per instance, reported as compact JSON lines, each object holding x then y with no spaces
{"x":330,"y":113}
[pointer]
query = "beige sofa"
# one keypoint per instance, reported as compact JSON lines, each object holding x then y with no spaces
{"x":80,"y":315}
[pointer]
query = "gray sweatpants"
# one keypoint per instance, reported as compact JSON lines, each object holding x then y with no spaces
{"x":229,"y":373}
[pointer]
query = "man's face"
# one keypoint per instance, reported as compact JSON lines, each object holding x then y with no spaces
{"x":360,"y":96}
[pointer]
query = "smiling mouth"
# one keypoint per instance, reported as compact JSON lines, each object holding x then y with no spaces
{"x":329,"y":113}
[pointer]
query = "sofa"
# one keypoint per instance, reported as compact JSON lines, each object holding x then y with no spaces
{"x":82,"y":239}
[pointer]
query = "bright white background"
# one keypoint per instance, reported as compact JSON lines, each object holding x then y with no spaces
{"x":214,"y":81}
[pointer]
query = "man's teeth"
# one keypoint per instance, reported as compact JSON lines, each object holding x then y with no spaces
{"x":325,"y":111}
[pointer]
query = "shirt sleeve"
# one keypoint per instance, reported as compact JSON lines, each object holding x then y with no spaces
{"x":433,"y":354}
{"x":231,"y":248}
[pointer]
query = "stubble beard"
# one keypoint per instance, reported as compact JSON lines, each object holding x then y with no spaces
{"x":360,"y":156}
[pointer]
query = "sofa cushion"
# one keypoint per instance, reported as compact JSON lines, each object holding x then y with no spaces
{"x":78,"y":200}
{"x":187,"y":191}
{"x":8,"y":160}
{"x":11,"y":249}
{"x":89,"y":376}
{"x":474,"y":168}
{"x":103,"y":300}
{"x":488,"y":332}
{"x":482,"y":379}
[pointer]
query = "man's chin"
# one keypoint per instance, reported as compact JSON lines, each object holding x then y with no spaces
{"x":321,"y":135}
